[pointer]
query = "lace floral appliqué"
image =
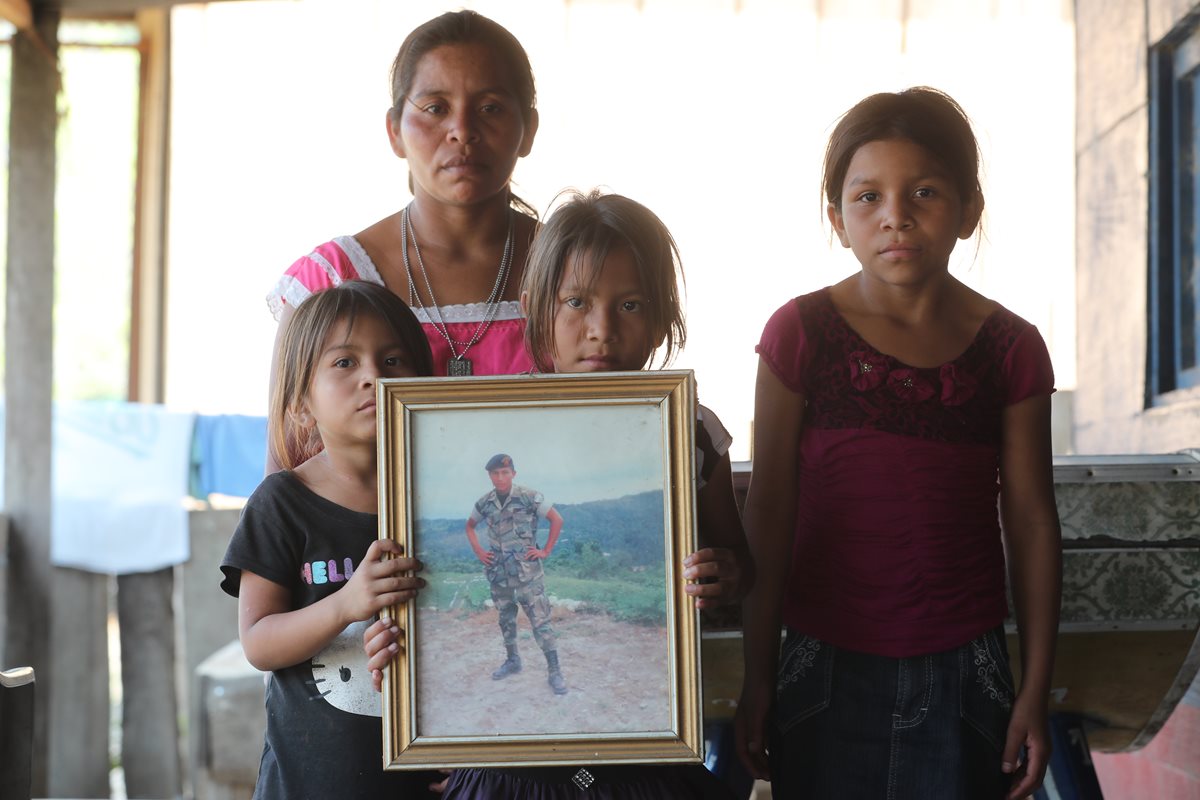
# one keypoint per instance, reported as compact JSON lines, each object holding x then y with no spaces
{"x":798,"y":661}
{"x":958,"y":385}
{"x":909,"y":385}
{"x":960,"y":401}
{"x":867,"y":370}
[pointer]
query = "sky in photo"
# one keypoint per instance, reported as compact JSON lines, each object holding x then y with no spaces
{"x":571,"y":454}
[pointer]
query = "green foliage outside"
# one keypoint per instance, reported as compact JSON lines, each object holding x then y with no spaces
{"x":638,"y":598}
{"x":610,"y":560}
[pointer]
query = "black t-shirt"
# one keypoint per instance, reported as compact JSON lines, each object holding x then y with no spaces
{"x":324,"y":732}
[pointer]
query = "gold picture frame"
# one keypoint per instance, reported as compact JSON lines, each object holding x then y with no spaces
{"x":613,"y":454}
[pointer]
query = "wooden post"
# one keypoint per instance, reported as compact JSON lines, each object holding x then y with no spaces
{"x":150,"y":740}
{"x":45,"y":605}
{"x":77,"y":749}
{"x":147,"y":328}
{"x":150,"y":723}
{"x":33,"y":123}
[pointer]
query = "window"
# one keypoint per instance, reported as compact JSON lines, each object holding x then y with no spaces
{"x":94,"y":205}
{"x":1174,"y":206}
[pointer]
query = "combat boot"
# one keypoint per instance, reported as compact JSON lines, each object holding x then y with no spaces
{"x":511,"y":665}
{"x":556,"y":679}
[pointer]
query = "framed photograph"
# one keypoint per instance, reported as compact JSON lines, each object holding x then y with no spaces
{"x":552,"y":515}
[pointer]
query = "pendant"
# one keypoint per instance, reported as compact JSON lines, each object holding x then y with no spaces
{"x":458,"y":367}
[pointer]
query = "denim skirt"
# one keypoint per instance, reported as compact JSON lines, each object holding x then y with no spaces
{"x":849,"y":725}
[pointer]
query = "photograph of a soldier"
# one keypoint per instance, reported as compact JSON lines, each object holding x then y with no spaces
{"x":513,"y":563}
{"x":544,"y":536}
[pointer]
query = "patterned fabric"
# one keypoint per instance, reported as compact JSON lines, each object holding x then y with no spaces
{"x":897,"y":549}
{"x":500,"y":351}
{"x":960,"y":401}
{"x":796,"y":661}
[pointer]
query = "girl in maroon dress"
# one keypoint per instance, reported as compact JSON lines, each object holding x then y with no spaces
{"x":892,"y":411}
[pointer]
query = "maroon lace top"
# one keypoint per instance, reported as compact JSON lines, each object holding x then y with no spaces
{"x":897,"y":549}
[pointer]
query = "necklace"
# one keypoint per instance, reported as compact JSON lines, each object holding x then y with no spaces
{"x":458,"y":364}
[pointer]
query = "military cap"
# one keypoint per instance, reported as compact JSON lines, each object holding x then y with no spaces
{"x":499,"y":461}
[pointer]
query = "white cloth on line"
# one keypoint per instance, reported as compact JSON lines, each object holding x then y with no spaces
{"x":119,"y":479}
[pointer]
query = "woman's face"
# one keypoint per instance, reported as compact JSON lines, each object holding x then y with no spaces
{"x":461,"y":126}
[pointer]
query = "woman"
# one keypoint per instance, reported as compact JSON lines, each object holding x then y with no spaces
{"x":463,"y":112}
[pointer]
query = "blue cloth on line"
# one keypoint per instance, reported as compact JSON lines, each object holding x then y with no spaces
{"x":228,"y":454}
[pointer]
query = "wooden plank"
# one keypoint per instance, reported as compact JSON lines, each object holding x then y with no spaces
{"x":147,"y":320}
{"x":83,"y":8}
{"x":78,"y":686}
{"x":45,"y":604}
{"x":150,"y":723}
{"x":1118,"y":681}
{"x":28,"y":352}
{"x":150,"y":751}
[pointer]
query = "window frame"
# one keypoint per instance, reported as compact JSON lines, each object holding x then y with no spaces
{"x":1173,"y":302}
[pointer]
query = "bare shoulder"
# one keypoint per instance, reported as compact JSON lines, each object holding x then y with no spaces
{"x":382,"y":243}
{"x":383,"y":236}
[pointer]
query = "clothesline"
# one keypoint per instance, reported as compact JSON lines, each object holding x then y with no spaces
{"x":120,"y":474}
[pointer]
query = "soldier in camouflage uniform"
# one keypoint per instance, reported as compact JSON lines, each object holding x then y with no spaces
{"x":513,"y":563}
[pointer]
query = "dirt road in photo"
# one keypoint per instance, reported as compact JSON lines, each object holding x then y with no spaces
{"x":617,"y":677}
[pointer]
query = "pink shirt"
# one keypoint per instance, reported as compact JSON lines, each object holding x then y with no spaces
{"x":498,"y":351}
{"x":897,"y":545}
